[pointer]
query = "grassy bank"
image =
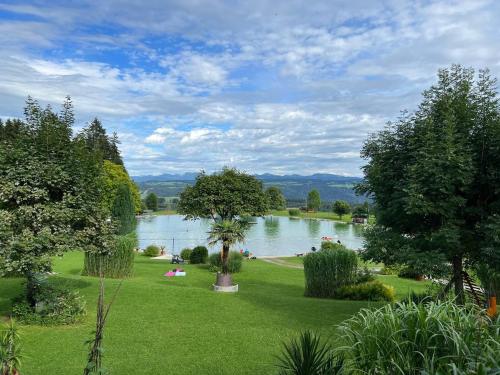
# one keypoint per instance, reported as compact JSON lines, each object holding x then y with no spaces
{"x":315,"y":215}
{"x":179,"y":325}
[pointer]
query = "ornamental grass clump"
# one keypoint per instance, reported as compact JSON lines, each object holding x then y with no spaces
{"x":432,"y":338}
{"x":327,"y":270}
{"x":117,"y":264}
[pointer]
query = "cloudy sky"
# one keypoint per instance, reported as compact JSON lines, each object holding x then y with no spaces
{"x":278,"y":86}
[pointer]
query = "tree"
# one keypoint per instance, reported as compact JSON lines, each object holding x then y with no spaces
{"x":113,"y":176}
{"x":123,"y":210}
{"x":313,"y":200}
{"x":96,"y":139}
{"x":341,"y":208}
{"x":224,"y":197}
{"x":151,"y":201}
{"x":276,"y":198}
{"x":435,"y":181}
{"x":49,"y":195}
{"x":361,"y":210}
{"x":228,"y":233}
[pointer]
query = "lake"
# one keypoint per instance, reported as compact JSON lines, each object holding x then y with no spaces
{"x":271,"y":235}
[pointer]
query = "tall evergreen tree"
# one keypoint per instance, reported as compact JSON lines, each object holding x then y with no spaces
{"x":435,"y":179}
{"x":123,"y":210}
{"x":98,"y":141}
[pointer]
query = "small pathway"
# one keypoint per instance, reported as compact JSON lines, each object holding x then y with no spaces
{"x":281,"y":262}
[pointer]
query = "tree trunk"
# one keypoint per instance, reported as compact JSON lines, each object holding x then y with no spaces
{"x":458,"y":279}
{"x":31,"y":288}
{"x":225,"y":256}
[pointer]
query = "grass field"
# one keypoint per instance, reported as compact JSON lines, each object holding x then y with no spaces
{"x":320,"y":215}
{"x":180,"y":326}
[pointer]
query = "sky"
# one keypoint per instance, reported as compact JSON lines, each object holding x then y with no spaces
{"x":280,"y":86}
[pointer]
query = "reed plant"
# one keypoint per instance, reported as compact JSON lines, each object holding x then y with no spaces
{"x":325,"y":271}
{"x":409,"y":338}
{"x":117,"y":264}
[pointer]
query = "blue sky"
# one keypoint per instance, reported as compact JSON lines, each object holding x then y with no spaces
{"x":266,"y":86}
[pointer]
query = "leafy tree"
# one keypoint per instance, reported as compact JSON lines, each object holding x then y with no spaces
{"x":123,"y":210}
{"x":49,"y":195}
{"x":151,"y":201}
{"x":113,"y":176}
{"x":361,"y":210}
{"x":313,"y":200}
{"x":276,"y":198}
{"x":98,"y":141}
{"x":228,"y":233}
{"x":226,"y":196}
{"x":435,"y":180}
{"x":341,"y":208}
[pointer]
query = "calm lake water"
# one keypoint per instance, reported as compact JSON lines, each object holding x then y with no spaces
{"x":272,"y":235}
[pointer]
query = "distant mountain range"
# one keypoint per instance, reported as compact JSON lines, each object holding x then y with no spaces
{"x":295,"y":187}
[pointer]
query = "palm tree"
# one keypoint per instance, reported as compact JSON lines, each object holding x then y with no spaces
{"x":228,"y":233}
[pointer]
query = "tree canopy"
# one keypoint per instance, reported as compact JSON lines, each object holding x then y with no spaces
{"x":341,"y":208}
{"x":224,"y":195}
{"x":313,"y":200}
{"x":97,"y":140}
{"x":123,"y":210}
{"x":113,"y":176}
{"x":276,"y":199}
{"x":434,"y":178}
{"x":151,"y":201}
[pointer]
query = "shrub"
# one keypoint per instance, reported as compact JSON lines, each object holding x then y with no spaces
{"x":325,"y":271}
{"x":409,"y":273}
{"x":117,"y":264}
{"x":433,"y":338}
{"x":151,"y":251}
{"x":53,"y":306}
{"x":199,"y":255}
{"x":234,"y":261}
{"x":390,"y":270}
{"x":294,"y":212}
{"x":309,"y":355}
{"x":364,"y":275}
{"x":186,"y":253}
{"x":10,"y":350}
{"x":369,"y":291}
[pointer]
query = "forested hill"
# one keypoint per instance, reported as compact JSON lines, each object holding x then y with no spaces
{"x":295,"y":187}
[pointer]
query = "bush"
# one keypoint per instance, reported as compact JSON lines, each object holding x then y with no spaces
{"x":186,"y":253}
{"x":433,"y":338}
{"x":151,"y":251}
{"x":117,"y":264}
{"x":409,"y":273}
{"x":393,"y":269}
{"x":10,"y":350}
{"x":370,"y":291}
{"x":325,"y":271}
{"x":234,"y":261}
{"x":294,"y":212}
{"x":53,"y":306}
{"x":199,"y":255}
{"x":364,"y":275}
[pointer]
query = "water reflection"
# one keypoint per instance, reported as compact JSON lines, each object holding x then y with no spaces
{"x":314,"y":227}
{"x":272,"y":226}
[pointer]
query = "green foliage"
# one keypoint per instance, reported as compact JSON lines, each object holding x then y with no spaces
{"x":10,"y":350}
{"x":341,"y":208}
{"x":415,"y":339}
{"x":309,"y":355}
{"x":228,"y":233}
{"x":391,"y":270}
{"x":49,"y":193}
{"x":325,"y":271}
{"x":151,"y":251}
{"x":186,"y":253}
{"x":434,"y":178}
{"x":99,"y":143}
{"x":294,"y":212}
{"x":224,"y":195}
{"x":199,"y":255}
{"x":113,"y":176}
{"x":123,"y":210}
{"x":276,"y":199}
{"x":116,"y":264}
{"x":409,"y":273}
{"x":361,"y":210}
{"x":490,"y":279}
{"x":234,"y":261}
{"x":369,"y":291}
{"x":328,"y":245}
{"x":151,"y":201}
{"x":54,"y":306}
{"x":313,"y":200}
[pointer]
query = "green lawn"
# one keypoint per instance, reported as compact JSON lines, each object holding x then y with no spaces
{"x":320,"y":215}
{"x":179,"y":325}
